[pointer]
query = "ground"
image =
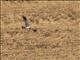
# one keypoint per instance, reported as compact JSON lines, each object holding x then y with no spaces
{"x":54,"y":33}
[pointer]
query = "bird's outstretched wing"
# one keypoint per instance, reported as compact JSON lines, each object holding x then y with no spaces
{"x":26,"y":21}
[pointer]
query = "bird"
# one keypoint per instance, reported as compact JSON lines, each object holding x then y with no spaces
{"x":26,"y":22}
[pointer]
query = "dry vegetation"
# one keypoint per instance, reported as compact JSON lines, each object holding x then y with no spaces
{"x":57,"y":35}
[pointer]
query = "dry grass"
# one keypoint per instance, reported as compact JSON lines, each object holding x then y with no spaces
{"x":57,"y":35}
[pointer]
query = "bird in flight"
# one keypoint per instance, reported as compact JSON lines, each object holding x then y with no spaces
{"x":26,"y":22}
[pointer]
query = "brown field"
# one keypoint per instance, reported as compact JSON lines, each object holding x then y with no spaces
{"x":57,"y":35}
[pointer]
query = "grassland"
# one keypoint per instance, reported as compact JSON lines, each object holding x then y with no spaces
{"x":57,"y":35}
